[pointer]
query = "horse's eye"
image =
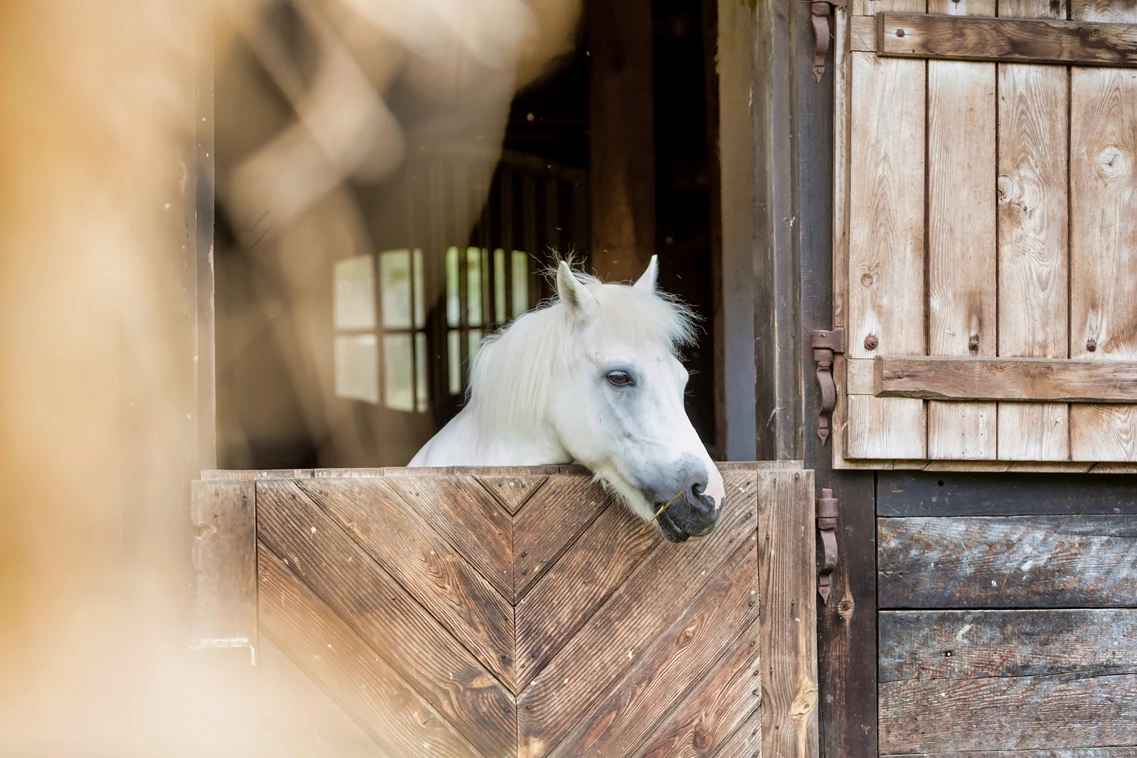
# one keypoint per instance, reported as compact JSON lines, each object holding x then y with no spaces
{"x":619,"y":379}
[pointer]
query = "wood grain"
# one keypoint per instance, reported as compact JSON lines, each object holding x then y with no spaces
{"x":1103,"y":236}
{"x":379,"y":609}
{"x":1033,"y":223}
{"x":747,"y":740}
{"x":388,"y":708}
{"x":512,"y":491}
{"x":719,"y":705}
{"x":886,"y":246}
{"x":1007,"y":379}
{"x":411,"y":552}
{"x":224,"y":559}
{"x":870,"y":7}
{"x":961,"y":235}
{"x":1013,"y":562}
{"x":1086,"y":752}
{"x":925,"y":494}
{"x":1010,"y":41}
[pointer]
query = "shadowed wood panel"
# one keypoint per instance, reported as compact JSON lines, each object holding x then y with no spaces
{"x":399,"y":720}
{"x":405,"y":635}
{"x":679,"y":656}
{"x":1103,"y":235}
{"x":961,"y":235}
{"x":408,"y":549}
{"x":924,"y":494}
{"x":716,"y":708}
{"x":886,"y":305}
{"x":461,"y":510}
{"x":1024,"y":562}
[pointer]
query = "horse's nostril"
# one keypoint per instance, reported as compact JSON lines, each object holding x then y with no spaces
{"x":696,"y":491}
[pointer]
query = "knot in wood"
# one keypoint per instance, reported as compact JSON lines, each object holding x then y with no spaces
{"x":973,"y":343}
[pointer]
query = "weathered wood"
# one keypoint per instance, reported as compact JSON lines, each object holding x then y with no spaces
{"x":1085,"y":752}
{"x":550,"y":524}
{"x":512,"y":491}
{"x":390,"y":710}
{"x":1007,"y":379}
{"x":886,"y":247}
{"x":1006,"y":40}
{"x":224,"y":558}
{"x":661,"y":672}
{"x":1033,"y":237}
{"x":380,"y":610}
{"x":712,"y":712}
{"x":924,"y":645}
{"x":871,"y":7}
{"x":577,"y":584}
{"x":746,"y":741}
{"x":786,"y":560}
{"x":961,"y":235}
{"x":862,"y":30}
{"x":924,"y":494}
{"x":411,"y":552}
{"x":1103,"y":236}
{"x":1013,"y":562}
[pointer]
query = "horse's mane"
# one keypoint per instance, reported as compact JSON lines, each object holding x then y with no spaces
{"x":511,"y":393}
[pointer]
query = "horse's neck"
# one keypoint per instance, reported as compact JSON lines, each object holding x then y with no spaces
{"x":471,"y":441}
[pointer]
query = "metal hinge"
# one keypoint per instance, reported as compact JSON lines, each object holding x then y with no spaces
{"x":825,"y":345}
{"x":822,"y":9}
{"x":827,"y":525}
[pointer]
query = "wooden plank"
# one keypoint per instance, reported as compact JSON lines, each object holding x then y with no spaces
{"x":1007,"y":379}
{"x":922,"y":494}
{"x":862,"y":30}
{"x":597,"y":655}
{"x":224,"y":559}
{"x":392,"y":712}
{"x":405,"y":635}
{"x":787,"y":569}
{"x":411,"y":552}
{"x":871,"y":7}
{"x":886,"y":246}
{"x":746,"y":742}
{"x":961,"y":235}
{"x":949,"y":37}
{"x":549,"y":525}
{"x":577,"y":584}
{"x":512,"y":491}
{"x":678,"y":656}
{"x":922,"y":645}
{"x":715,"y":709}
{"x":1012,"y":562}
{"x":469,"y":518}
{"x":1085,"y":752}
{"x":1103,"y":236}
{"x":1033,"y":238}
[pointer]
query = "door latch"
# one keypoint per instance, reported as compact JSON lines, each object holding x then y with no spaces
{"x":825,"y":345}
{"x":822,"y":9}
{"x":827,"y":525}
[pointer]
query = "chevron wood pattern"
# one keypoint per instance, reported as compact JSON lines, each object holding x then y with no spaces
{"x":526,"y":613}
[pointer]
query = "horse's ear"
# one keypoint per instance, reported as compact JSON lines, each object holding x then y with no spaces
{"x":646,"y":281}
{"x":573,"y":294}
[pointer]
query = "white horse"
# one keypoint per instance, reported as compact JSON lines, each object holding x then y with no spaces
{"x":593,"y":378}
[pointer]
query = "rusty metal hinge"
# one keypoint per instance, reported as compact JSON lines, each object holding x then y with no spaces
{"x":827,"y":525}
{"x":822,"y":9}
{"x":825,"y":345}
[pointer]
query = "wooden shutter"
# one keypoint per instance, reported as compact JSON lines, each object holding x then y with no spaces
{"x":985,"y":242}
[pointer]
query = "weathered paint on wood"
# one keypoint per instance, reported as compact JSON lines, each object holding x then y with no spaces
{"x":950,"y":37}
{"x":1013,"y":494}
{"x":1012,"y":562}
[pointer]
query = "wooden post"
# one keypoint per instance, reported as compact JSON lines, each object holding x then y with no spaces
{"x":622,"y":152}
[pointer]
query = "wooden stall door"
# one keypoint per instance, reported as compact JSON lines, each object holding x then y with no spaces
{"x":522,"y":612}
{"x":985,"y":250}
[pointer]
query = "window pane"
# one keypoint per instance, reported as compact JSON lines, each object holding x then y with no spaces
{"x":398,"y":373}
{"x":395,"y":278}
{"x":520,"y":282}
{"x":422,"y":402}
{"x":454,"y":358}
{"x":357,"y":367}
{"x":453,"y":303}
{"x":499,"y":286}
{"x":353,"y":297}
{"x":420,"y":303}
{"x":474,"y":285}
{"x":475,"y":338}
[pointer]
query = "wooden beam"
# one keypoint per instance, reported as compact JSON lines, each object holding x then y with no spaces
{"x":1028,"y":379}
{"x":918,"y":35}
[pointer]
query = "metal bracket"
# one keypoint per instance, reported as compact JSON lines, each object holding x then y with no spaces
{"x":827,"y":524}
{"x":825,"y":345}
{"x":822,"y":9}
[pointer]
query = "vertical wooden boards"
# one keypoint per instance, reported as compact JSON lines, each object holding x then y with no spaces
{"x":1103,"y":235}
{"x":1033,"y":238}
{"x":885,"y":293}
{"x":961,"y":236}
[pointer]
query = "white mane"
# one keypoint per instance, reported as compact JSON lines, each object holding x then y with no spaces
{"x":514,"y":394}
